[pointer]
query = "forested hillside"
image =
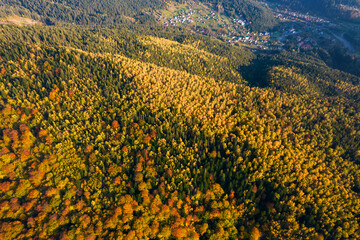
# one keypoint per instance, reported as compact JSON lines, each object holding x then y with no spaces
{"x":112,"y":12}
{"x":175,"y":49}
{"x":261,"y":17}
{"x":156,"y":134}
{"x":107,"y":12}
{"x":336,"y":9}
{"x":302,"y":74}
{"x":113,"y":126}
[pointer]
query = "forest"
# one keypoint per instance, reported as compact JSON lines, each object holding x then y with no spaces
{"x":113,"y":127}
{"x":115,"y":12}
{"x":85,"y":12}
{"x":137,"y":134}
{"x":261,"y":17}
{"x":334,"y":9}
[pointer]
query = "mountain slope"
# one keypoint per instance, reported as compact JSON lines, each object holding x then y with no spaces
{"x":83,"y":12}
{"x":112,"y":12}
{"x":301,"y":74}
{"x":336,"y":9}
{"x":114,"y":147}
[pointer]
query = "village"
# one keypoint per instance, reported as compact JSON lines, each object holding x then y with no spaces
{"x":203,"y":19}
{"x":295,"y":31}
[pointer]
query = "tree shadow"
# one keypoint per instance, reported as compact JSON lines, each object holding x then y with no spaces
{"x":256,"y":73}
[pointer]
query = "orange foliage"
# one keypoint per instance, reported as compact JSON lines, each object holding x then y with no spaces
{"x":110,"y":223}
{"x":186,"y":209}
{"x":12,"y":134}
{"x":52,"y":94}
{"x":118,"y":211}
{"x":33,"y":194}
{"x":199,"y":209}
{"x":80,"y":205}
{"x":85,"y":220}
{"x":138,"y":177}
{"x":51,"y":192}
{"x":88,"y":149}
{"x":3,"y":72}
{"x":145,"y":197}
{"x":26,"y":139}
{"x":147,"y":139}
{"x":232,"y":195}
{"x":255,"y":234}
{"x":124,"y":149}
{"x":127,"y":209}
{"x":169,"y":172}
{"x":5,"y":186}
{"x":9,"y":168}
{"x":6,"y":111}
{"x":36,"y":177}
{"x":165,"y":232}
{"x":154,"y":229}
{"x":31,"y":222}
{"x":171,"y":202}
{"x":215,"y":214}
{"x":4,"y":206}
{"x":87,"y":194}
{"x":138,"y":167}
{"x":179,"y":233}
{"x":29,"y":205}
{"x":58,"y":71}
{"x":153,"y":133}
{"x":34,"y":111}
{"x":142,"y":186}
{"x":24,"y":128}
{"x":130,"y":236}
{"x":179,"y":204}
{"x":49,"y":140}
{"x":213,"y":154}
{"x":14,"y":204}
{"x":254,"y":189}
{"x":117,"y":181}
{"x":115,"y":124}
{"x":65,"y":211}
{"x":71,"y":93}
{"x":42,"y":133}
{"x":24,"y":154}
{"x":4,"y":150}
{"x":6,"y":138}
{"x":10,"y":230}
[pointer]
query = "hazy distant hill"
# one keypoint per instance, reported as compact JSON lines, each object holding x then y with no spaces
{"x":344,"y":9}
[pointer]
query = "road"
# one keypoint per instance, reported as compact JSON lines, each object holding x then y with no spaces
{"x":344,"y":41}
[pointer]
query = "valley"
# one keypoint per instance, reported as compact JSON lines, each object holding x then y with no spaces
{"x":295,"y":31}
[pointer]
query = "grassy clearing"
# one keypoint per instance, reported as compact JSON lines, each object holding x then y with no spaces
{"x":21,"y":21}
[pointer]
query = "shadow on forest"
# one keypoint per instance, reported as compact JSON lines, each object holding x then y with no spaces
{"x":256,"y":73}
